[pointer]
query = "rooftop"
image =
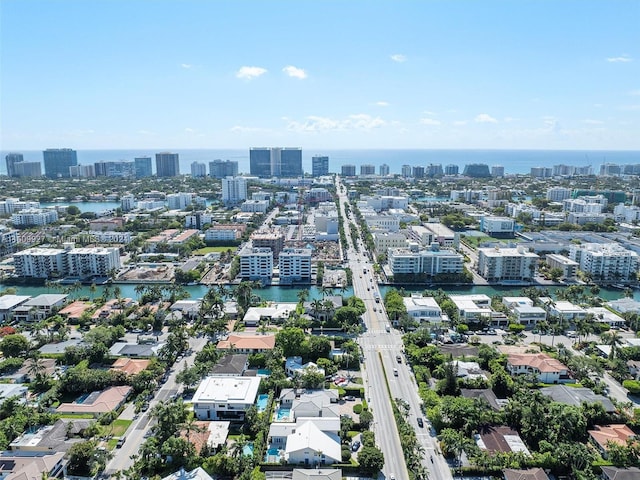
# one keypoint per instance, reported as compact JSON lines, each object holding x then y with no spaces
{"x":224,"y":389}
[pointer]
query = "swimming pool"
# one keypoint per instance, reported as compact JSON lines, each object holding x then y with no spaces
{"x":82,"y":398}
{"x":273,"y":451}
{"x":283,"y":413}
{"x":262,"y":401}
{"x":247,"y":450}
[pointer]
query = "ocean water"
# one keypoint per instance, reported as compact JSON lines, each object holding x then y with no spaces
{"x":514,"y":161}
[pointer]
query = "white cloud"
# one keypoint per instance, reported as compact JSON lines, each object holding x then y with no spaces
{"x":589,"y":121}
{"x":315,"y":123}
{"x":399,"y":58}
{"x":189,"y":130}
{"x":429,"y":114}
{"x":186,"y":65}
{"x":460,"y":123}
{"x":295,"y":72}
{"x":242,"y":129}
{"x":382,"y":104}
{"x":430,"y":121}
{"x":621,"y":59}
{"x":249,"y":73}
{"x":485,"y":118}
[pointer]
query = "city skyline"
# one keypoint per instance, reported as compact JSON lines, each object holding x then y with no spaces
{"x":492,"y":74}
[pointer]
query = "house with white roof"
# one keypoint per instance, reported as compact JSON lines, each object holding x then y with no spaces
{"x":524,"y":310}
{"x":472,"y":308}
{"x":274,"y":313}
{"x":566,"y":310}
{"x":294,"y":365}
{"x":603,"y":315}
{"x":423,"y":309}
{"x":38,"y":308}
{"x":222,"y":397}
{"x":309,"y":445}
{"x":317,"y":474}
{"x":8,"y":303}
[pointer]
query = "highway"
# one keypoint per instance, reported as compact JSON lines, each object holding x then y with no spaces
{"x":381,"y":349}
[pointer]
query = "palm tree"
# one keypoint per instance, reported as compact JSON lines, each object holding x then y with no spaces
{"x":303,"y":295}
{"x":614,"y":340}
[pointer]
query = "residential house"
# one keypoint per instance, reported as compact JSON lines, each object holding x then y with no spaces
{"x":231,"y":364}
{"x":294,"y":365}
{"x":500,"y":440}
{"x":135,"y":350}
{"x":222,"y":397}
{"x":575,"y":396}
{"x":248,"y":343}
{"x":423,"y":309}
{"x":130,"y":366}
{"x":35,"y":466}
{"x":617,"y":473}
{"x":545,"y":368}
{"x":196,"y":474}
{"x":316,"y":474}
{"x":97,"y":403}
{"x":528,"y":474}
{"x":8,"y":390}
{"x":58,"y":437}
{"x":38,"y":308}
{"x":273,"y":313}
{"x":309,"y":445}
{"x":603,"y":435}
{"x":8,"y":303}
{"x":211,"y":434}
{"x":485,"y":394}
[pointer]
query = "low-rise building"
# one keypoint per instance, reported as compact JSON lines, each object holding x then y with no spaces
{"x":423,"y":309}
{"x":39,"y":307}
{"x":603,"y":435}
{"x":576,"y":396}
{"x":431,"y":262}
{"x":545,"y":368}
{"x":386,"y":240}
{"x":566,"y":310}
{"x":225,"y":398}
{"x":525,"y":312}
{"x":8,"y":303}
{"x":273,"y":313}
{"x":98,"y":403}
{"x":248,"y":343}
{"x":499,"y":227}
{"x":255,"y":206}
{"x":472,"y":308}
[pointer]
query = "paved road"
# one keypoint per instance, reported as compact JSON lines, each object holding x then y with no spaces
{"x":381,"y":348}
{"x":135,"y":434}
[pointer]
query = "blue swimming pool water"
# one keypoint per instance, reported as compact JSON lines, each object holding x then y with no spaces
{"x":262,"y":401}
{"x":248,"y":450}
{"x":82,"y":398}
{"x":265,"y":372}
{"x":283,"y":413}
{"x":273,"y":451}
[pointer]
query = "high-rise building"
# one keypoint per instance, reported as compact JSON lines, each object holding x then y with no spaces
{"x":222,"y":169}
{"x":120,"y":168}
{"x":82,"y":171}
{"x":143,"y":167}
{"x":12,"y":159}
{"x":506,"y":264}
{"x":291,"y":162}
{"x":198,"y":169}
{"x":541,"y":172}
{"x":497,"y":171}
{"x":260,"y":161}
{"x":319,"y":166}
{"x":295,"y":266}
{"x":384,"y":170}
{"x":418,"y":172}
{"x":406,"y":171}
{"x":433,"y":170}
{"x":58,"y":160}
{"x":256,"y":263}
{"x":476,"y":170}
{"x":451,"y":169}
{"x":234,"y":190}
{"x":367,"y":169}
{"x":275,"y":162}
{"x":348,"y":170}
{"x":28,"y":169}
{"x":167,"y":164}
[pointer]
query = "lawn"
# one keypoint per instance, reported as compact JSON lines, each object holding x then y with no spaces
{"x":205,"y":250}
{"x":118,"y":427}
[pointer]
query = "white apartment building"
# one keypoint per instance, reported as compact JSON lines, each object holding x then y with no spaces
{"x":472,"y":307}
{"x":420,"y":234}
{"x":127,"y":203}
{"x":295,"y":265}
{"x":221,"y":235}
{"x":525,"y":312}
{"x":584,"y":218}
{"x":383,"y":222}
{"x":386,"y":240}
{"x":255,"y":206}
{"x":443,"y":235}
{"x":608,"y":262}
{"x":34,"y":217}
{"x":13,"y":205}
{"x":569,"y":267}
{"x":88,"y":262}
{"x":179,"y":201}
{"x":199,"y":219}
{"x":8,"y":240}
{"x":386,"y":202}
{"x":111,"y":237}
{"x":40,"y":262}
{"x":506,"y":264}
{"x":423,"y":309}
{"x":425,"y":262}
{"x":580,"y":205}
{"x":220,"y":397}
{"x":234,"y":190}
{"x":498,"y":226}
{"x":150,"y":204}
{"x":256,"y":263}
{"x":624,"y":213}
{"x":558,"y":194}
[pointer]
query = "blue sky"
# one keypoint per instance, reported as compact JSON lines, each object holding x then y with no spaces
{"x":320,"y":74}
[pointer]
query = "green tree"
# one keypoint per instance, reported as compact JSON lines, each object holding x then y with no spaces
{"x":371,"y":460}
{"x":292,"y":341}
{"x":14,"y":345}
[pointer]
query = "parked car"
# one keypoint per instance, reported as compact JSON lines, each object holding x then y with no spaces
{"x":355,"y":446}
{"x":121,"y":441}
{"x":420,"y":422}
{"x":350,"y":398}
